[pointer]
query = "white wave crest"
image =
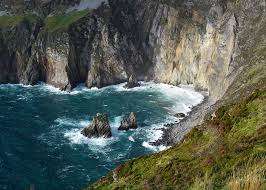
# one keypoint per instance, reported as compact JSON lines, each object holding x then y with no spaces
{"x":183,"y":97}
{"x":72,"y":122}
{"x":154,"y":148}
{"x":76,"y":137}
{"x":130,"y":138}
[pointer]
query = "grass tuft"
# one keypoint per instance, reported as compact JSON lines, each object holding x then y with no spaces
{"x":63,"y":22}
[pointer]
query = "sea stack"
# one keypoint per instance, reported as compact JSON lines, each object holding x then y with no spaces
{"x":129,"y":122}
{"x":98,"y":128}
{"x":132,"y":82}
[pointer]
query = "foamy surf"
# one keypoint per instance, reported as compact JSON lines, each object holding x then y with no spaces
{"x":154,"y":148}
{"x":180,"y":99}
{"x":183,"y":97}
{"x":130,"y":138}
{"x":154,"y":134}
{"x":71,"y":122}
{"x":56,"y":118}
{"x":75,"y":137}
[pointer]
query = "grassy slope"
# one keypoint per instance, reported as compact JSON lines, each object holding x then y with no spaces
{"x":55,"y":23}
{"x":62,"y":22}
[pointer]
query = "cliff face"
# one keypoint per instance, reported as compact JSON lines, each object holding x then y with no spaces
{"x":188,"y":43}
{"x":17,"y":60}
{"x":191,"y":45}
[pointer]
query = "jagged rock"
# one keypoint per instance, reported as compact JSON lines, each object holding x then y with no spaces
{"x":180,"y":115}
{"x":99,"y":128}
{"x":129,"y":122}
{"x":103,"y":47}
{"x":132,"y":82}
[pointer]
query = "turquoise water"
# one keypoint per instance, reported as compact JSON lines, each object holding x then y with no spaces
{"x":40,"y":140}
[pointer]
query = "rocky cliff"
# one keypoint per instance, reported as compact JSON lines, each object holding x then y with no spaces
{"x":182,"y":42}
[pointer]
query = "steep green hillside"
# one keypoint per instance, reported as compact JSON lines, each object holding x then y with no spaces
{"x":226,"y":152}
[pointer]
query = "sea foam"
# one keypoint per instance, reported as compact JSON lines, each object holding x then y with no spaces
{"x":182,"y":98}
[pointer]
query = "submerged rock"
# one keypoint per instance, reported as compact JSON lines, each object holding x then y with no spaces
{"x":180,"y":115}
{"x":132,"y":82}
{"x":99,"y":128}
{"x":129,"y":122}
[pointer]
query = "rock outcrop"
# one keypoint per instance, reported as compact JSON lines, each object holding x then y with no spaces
{"x":98,"y":128}
{"x":129,"y":122}
{"x":180,"y":115}
{"x":132,"y":82}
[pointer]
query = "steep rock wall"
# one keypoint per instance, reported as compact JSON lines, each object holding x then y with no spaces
{"x":17,"y":59}
{"x":187,"y":42}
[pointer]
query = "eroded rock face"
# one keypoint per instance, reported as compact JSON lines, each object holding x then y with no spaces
{"x":99,"y":128}
{"x":129,"y":122}
{"x":181,"y":43}
{"x":54,"y":51}
{"x":18,"y":62}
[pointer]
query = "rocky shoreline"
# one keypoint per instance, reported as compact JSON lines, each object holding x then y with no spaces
{"x":174,"y":132}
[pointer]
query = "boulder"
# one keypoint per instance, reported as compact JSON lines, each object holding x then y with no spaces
{"x":132,"y":82}
{"x":180,"y":115}
{"x":98,"y":128}
{"x":129,"y":122}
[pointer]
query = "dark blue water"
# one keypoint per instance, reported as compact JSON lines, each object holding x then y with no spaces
{"x":40,"y":140}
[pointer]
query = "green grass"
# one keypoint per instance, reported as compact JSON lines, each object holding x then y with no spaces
{"x":63,"y":22}
{"x":11,"y":21}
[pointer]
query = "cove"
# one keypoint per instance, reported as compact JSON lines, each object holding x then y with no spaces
{"x":40,"y":138}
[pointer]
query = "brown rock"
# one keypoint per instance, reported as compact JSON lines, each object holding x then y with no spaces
{"x":132,"y":82}
{"x":180,"y":115}
{"x":99,"y":128}
{"x":129,"y":122}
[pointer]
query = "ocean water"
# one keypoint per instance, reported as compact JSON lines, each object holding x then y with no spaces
{"x":40,"y":141}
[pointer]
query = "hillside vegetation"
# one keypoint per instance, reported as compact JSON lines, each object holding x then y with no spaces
{"x":226,"y":152}
{"x":63,"y":21}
